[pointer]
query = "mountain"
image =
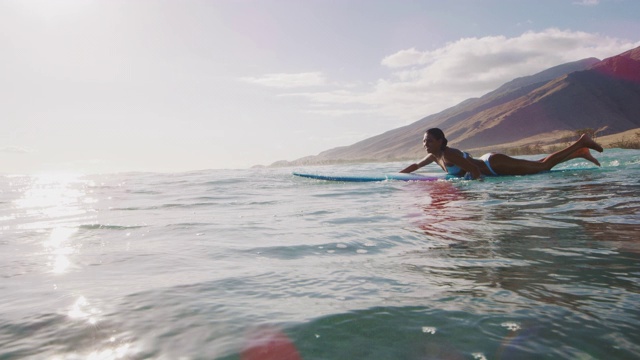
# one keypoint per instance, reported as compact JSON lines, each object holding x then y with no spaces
{"x":536,"y":109}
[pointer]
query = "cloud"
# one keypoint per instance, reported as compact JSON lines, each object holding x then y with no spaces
{"x":15,"y":150}
{"x":587,"y":2}
{"x":420,"y":83}
{"x":404,"y":58}
{"x":283,"y":80}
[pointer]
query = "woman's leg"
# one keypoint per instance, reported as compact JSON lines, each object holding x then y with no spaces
{"x":580,"y":153}
{"x":579,"y":148}
{"x":505,"y":165}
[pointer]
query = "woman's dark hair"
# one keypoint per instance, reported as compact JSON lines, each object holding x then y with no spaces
{"x":439,"y":135}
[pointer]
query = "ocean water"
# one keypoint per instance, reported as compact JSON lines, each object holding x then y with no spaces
{"x":203,"y":264}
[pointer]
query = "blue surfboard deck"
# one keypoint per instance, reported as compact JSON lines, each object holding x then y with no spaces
{"x":370,"y":177}
{"x":414,"y":177}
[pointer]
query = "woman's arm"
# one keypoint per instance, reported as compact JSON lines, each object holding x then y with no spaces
{"x":415,"y":166}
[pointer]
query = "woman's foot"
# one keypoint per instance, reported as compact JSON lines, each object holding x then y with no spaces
{"x":586,"y":154}
{"x":586,"y":141}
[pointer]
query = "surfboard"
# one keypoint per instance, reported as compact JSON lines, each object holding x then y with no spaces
{"x":370,"y":177}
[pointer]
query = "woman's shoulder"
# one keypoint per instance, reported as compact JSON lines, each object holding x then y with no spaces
{"x":450,"y":150}
{"x":456,"y":153}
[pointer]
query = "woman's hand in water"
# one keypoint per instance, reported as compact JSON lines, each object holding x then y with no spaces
{"x":475,"y":174}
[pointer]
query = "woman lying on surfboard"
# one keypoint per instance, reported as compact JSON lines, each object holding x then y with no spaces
{"x":460,"y":163}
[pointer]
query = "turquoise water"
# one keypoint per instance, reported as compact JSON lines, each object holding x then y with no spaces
{"x":194,"y":265}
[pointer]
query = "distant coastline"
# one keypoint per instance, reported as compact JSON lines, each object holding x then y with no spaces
{"x":528,"y":115}
{"x":629,"y":139}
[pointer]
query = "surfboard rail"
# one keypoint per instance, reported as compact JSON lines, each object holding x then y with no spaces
{"x":368,"y":177}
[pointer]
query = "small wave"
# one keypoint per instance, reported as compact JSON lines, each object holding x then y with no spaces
{"x":301,"y":251}
{"x":185,"y":206}
{"x":144,"y":192}
{"x":109,"y":227}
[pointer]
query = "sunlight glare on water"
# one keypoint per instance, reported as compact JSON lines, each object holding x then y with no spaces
{"x":58,"y":245}
{"x":51,"y":196}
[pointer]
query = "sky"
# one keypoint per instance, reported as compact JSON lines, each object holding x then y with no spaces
{"x":101,"y":86}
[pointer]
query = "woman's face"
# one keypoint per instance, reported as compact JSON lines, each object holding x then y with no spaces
{"x":431,"y":143}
